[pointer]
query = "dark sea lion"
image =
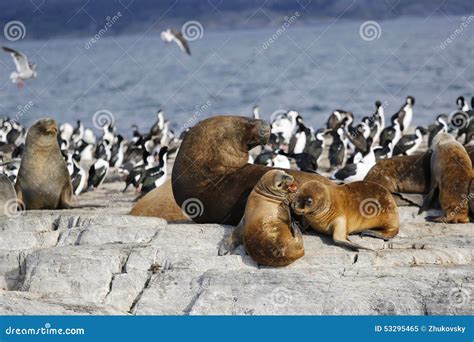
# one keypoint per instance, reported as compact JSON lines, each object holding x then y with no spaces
{"x":403,"y":174}
{"x":8,"y":201}
{"x":341,"y":210}
{"x":211,"y":167}
{"x":43,"y":180}
{"x":407,"y":175}
{"x":159,"y":203}
{"x":451,"y":178}
{"x":268,"y":236}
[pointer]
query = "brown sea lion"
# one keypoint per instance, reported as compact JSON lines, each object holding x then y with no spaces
{"x":211,"y":167}
{"x":341,"y":210}
{"x":406,"y":174}
{"x":451,"y":177}
{"x":8,"y":201}
{"x":268,"y":236}
{"x":43,"y":180}
{"x":159,"y":201}
{"x":403,"y":174}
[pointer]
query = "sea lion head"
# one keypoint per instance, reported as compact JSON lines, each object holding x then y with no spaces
{"x":257,"y":132}
{"x":43,"y":133}
{"x":220,"y":144}
{"x":312,"y":197}
{"x":442,"y":138}
{"x":277,"y":183}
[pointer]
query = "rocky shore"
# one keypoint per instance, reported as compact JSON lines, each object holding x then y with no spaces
{"x":104,"y":261}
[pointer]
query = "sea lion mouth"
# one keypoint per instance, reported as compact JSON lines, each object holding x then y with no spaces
{"x":293,"y":187}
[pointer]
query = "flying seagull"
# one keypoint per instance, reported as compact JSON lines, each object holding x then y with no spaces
{"x":24,"y":70}
{"x":171,"y":35}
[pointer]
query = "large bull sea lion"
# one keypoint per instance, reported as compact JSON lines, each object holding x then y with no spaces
{"x":211,"y":167}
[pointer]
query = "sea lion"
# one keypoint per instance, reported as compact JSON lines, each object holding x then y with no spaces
{"x":268,"y":235}
{"x":43,"y":180}
{"x":341,"y":210}
{"x":402,"y":174}
{"x":211,"y":167}
{"x":451,"y":177}
{"x":159,"y":201}
{"x":8,"y":202}
{"x":407,"y":175}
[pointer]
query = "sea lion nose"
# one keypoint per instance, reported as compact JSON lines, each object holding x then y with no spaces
{"x":264,"y":130}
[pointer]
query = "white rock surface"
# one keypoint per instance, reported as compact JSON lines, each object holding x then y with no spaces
{"x":102,"y":261}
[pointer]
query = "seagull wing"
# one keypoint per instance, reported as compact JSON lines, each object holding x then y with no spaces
{"x":20,"y":59}
{"x":182,"y":43}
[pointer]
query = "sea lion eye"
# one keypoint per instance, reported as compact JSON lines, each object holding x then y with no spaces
{"x":309,"y":201}
{"x":279,"y":184}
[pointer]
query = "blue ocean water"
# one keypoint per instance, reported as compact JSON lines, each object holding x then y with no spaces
{"x":312,"y":69}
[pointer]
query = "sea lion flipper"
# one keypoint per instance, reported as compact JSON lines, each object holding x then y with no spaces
{"x":350,"y":245}
{"x":374,"y":234}
{"x":339,"y":236}
{"x":65,"y":197}
{"x":428,"y":200}
{"x":296,"y":230}
{"x":233,"y":240}
{"x":19,"y":194}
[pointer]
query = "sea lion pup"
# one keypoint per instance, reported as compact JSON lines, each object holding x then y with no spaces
{"x":341,"y":210}
{"x":43,"y":180}
{"x":211,"y":167}
{"x":268,"y":236}
{"x":451,"y":177}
